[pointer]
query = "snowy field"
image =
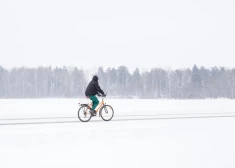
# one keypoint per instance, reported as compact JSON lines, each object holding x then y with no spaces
{"x":36,"y":133}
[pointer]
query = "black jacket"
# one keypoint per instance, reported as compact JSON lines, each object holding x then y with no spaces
{"x":93,"y":88}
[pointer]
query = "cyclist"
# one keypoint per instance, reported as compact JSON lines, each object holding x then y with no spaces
{"x":92,"y":90}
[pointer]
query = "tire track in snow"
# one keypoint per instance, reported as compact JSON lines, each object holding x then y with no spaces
{"x":118,"y":120}
{"x":121,"y":115}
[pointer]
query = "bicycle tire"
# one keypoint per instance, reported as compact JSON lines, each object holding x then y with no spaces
{"x":104,"y":110}
{"x":81,"y":112}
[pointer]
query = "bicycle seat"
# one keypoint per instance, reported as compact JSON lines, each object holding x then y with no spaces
{"x":84,"y":104}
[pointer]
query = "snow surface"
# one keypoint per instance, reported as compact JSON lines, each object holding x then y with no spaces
{"x":143,"y":133}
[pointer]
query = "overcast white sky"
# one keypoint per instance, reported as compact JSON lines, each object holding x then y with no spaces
{"x":134,"y":33}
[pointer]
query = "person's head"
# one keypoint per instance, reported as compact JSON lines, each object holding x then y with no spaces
{"x":95,"y":78}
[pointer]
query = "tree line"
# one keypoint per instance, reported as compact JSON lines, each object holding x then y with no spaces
{"x":189,"y":83}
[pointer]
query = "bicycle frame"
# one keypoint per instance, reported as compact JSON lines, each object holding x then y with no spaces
{"x":99,"y":105}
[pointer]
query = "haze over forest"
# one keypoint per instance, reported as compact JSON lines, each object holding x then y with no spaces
{"x":190,"y":83}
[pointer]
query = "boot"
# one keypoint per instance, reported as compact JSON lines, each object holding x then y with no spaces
{"x":93,"y":112}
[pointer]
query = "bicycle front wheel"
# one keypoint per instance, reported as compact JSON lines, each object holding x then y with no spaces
{"x":84,"y":114}
{"x":106,"y":112}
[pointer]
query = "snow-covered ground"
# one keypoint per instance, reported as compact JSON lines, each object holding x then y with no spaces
{"x":143,"y":133}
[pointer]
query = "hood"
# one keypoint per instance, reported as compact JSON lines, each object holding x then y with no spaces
{"x":95,"y":78}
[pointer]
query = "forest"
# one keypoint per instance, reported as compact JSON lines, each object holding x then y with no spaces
{"x":190,"y":83}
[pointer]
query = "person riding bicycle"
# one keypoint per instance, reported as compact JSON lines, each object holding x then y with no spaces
{"x":92,"y":90}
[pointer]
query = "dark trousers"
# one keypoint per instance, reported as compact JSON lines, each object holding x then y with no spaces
{"x":95,"y":102}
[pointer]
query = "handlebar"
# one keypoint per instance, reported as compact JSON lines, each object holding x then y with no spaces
{"x":104,"y":95}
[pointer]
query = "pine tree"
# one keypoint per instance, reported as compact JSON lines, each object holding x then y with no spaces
{"x":196,"y":82}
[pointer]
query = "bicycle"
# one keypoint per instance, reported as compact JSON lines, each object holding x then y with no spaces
{"x":106,"y":112}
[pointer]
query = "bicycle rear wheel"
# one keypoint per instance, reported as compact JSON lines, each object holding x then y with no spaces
{"x":106,"y":112}
{"x":84,"y":114}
